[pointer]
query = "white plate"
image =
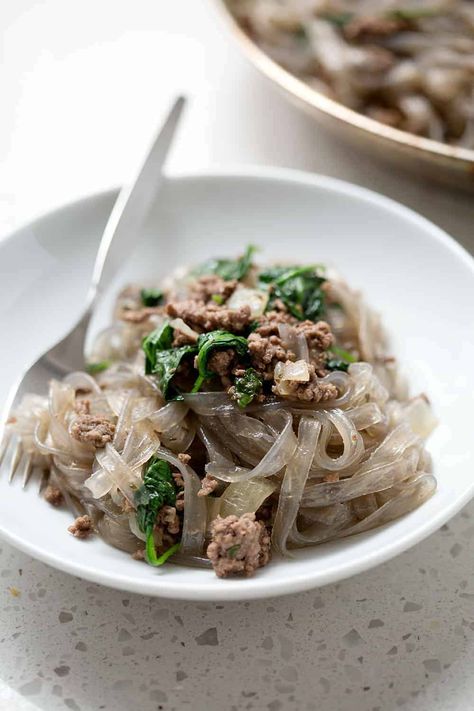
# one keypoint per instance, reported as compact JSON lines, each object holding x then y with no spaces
{"x":414,"y":274}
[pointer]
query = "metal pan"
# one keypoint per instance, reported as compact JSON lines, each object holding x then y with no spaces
{"x":450,"y":165}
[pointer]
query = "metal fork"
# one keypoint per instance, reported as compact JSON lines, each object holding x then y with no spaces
{"x":130,"y":209}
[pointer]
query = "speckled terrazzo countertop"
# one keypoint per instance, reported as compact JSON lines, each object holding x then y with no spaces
{"x":399,"y":636}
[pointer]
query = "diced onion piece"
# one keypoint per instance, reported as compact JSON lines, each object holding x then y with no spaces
{"x":256,"y":299}
{"x":297,"y":372}
{"x":179,"y":325}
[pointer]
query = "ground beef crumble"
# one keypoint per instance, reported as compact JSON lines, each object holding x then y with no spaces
{"x":168,"y":519}
{"x":93,"y":429}
{"x":208,"y":485}
{"x":139,"y":315}
{"x":53,"y":495}
{"x":267,"y":348}
{"x":82,"y":406}
{"x":204,"y":288}
{"x":180,"y":501}
{"x":222,"y":363}
{"x":167,"y":528}
{"x":239,"y":545}
{"x":319,"y":338}
{"x":210,"y":317}
{"x":82,"y":527}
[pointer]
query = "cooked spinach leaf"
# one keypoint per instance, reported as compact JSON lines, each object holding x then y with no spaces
{"x":94,"y":368}
{"x":337,"y":364}
{"x":158,"y":340}
{"x":342,"y":361}
{"x":167,"y":363}
{"x":208,"y":343}
{"x":158,"y":489}
{"x":299,"y":288}
{"x":246,"y":387}
{"x":345,"y":355}
{"x":162,"y":360}
{"x":151,"y":297}
{"x":167,"y":554}
{"x":228,"y":269}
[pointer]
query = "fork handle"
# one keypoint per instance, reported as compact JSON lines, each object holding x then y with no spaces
{"x":132,"y":207}
{"x":128,"y":214}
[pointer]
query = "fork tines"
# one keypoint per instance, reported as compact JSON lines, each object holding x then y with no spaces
{"x":4,"y":443}
{"x":12,"y":456}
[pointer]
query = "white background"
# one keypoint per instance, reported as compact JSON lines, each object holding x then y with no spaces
{"x":83,"y":84}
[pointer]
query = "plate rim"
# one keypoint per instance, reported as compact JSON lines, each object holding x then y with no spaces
{"x":236,"y":589}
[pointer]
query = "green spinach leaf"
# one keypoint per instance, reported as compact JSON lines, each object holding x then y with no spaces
{"x":94,"y":368}
{"x":167,"y":363}
{"x":342,"y":361}
{"x":162,"y":360}
{"x":228,"y":269}
{"x":246,"y":387}
{"x":299,"y":288}
{"x":209,"y":342}
{"x":158,"y":340}
{"x":151,"y":297}
{"x":158,"y":489}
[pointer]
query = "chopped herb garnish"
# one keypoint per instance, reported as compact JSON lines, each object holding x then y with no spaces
{"x":246,"y":387}
{"x":342,"y":362}
{"x":151,"y":297}
{"x":208,"y":343}
{"x":228,"y":269}
{"x":233,"y":550}
{"x":158,"y":489}
{"x":299,"y":288}
{"x":218,"y":299}
{"x":163,"y":361}
{"x":94,"y":368}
